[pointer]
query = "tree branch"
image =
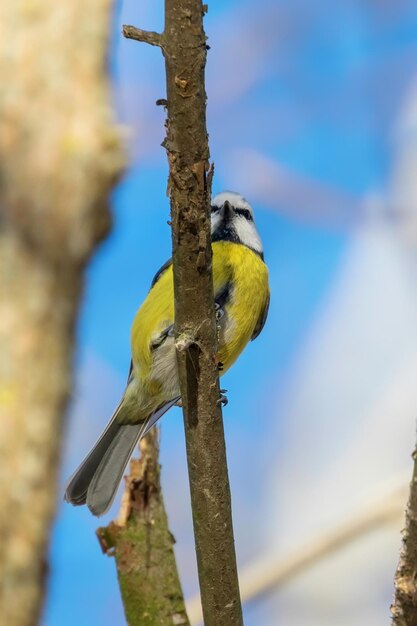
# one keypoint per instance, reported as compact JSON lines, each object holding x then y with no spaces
{"x":184,"y":47}
{"x":195,"y":326}
{"x":142,"y":545}
{"x":146,"y":36}
{"x":404,"y":608}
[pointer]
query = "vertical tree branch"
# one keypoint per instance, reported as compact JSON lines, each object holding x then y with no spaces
{"x":59,"y":156}
{"x":404,"y":608}
{"x":196,"y":337}
{"x":184,"y":47}
{"x":142,"y":545}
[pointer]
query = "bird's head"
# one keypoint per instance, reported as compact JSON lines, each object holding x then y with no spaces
{"x":232,"y":220}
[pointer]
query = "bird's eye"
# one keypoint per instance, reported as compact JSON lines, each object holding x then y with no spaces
{"x":214,"y":208}
{"x":244,"y":213}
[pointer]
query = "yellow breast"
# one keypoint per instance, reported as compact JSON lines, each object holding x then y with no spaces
{"x":233,"y":264}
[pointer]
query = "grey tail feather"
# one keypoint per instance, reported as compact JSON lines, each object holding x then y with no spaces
{"x":96,"y":480}
{"x":105,"y":482}
{"x":77,"y":486}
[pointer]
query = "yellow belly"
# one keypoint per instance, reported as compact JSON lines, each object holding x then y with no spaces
{"x":232,"y":263}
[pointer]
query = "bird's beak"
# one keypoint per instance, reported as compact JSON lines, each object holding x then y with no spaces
{"x":227,"y":210}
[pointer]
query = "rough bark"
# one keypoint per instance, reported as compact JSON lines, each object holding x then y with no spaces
{"x":404,"y":608}
{"x":142,"y":545}
{"x":196,"y":335}
{"x":184,"y":47}
{"x":59,"y":155}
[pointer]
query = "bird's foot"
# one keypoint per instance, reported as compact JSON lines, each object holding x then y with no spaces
{"x":219,"y":311}
{"x":223,"y":400}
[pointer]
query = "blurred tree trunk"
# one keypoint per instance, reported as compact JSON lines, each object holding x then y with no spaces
{"x":59,"y":156}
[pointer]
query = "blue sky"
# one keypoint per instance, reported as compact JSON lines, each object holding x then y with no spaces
{"x":307,"y":89}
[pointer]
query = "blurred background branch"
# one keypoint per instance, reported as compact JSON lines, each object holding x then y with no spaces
{"x":404,"y":607}
{"x":59,"y":157}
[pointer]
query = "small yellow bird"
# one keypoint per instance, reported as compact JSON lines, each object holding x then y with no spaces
{"x":241,"y":292}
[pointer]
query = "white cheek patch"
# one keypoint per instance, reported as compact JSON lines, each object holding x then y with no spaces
{"x":247,"y":233}
{"x":215,"y":221}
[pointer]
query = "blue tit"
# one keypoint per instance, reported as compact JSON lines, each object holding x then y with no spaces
{"x":241,"y":292}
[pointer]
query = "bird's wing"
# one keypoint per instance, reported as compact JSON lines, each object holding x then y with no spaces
{"x":130,"y":375}
{"x":161,"y":270}
{"x":159,"y":340}
{"x":157,"y":414}
{"x":262,"y":319}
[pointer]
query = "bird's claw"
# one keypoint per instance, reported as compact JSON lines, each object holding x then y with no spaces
{"x":219,"y":311}
{"x":223,"y":400}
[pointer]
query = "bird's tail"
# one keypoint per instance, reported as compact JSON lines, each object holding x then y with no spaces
{"x":96,"y":480}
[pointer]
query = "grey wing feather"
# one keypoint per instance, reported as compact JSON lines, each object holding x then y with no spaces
{"x":262,"y":319}
{"x":130,"y":374}
{"x":155,"y":416}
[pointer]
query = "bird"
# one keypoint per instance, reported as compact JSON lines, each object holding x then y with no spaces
{"x":241,"y":294}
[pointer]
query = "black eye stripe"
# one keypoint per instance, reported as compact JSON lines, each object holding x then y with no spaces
{"x":245,"y":213}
